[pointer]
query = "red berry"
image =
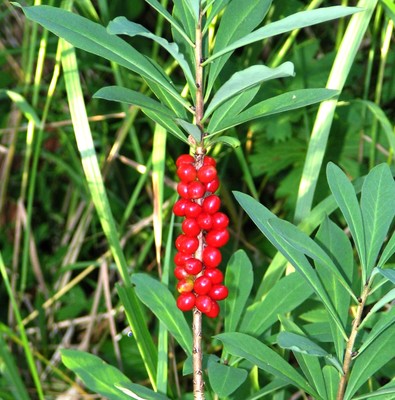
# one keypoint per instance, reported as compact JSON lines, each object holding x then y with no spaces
{"x":180,"y":273}
{"x":215,"y":275}
{"x":217,"y":238}
{"x":218,"y":292}
{"x":211,"y":257}
{"x":206,"y":173}
{"x":192,"y":209}
{"x":207,"y":160}
{"x":184,"y":159}
{"x":204,"y":303}
{"x":180,"y":258}
{"x":186,"y":301}
{"x":211,"y":204}
{"x":186,"y":172}
{"x":187,"y":244}
{"x":190,"y":227}
{"x":179,"y":207}
{"x":220,"y":220}
{"x":182,"y":190}
{"x":185,"y":285}
{"x":196,"y":190}
{"x":193,"y":266}
{"x":202,"y":285}
{"x":212,"y":186}
{"x":213,"y":313}
{"x":204,"y":220}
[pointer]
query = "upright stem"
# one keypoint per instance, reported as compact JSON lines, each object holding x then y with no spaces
{"x":351,"y":342}
{"x":197,"y":353}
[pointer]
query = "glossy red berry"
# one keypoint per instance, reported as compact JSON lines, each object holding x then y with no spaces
{"x":184,"y":159}
{"x":182,"y":190}
{"x":196,"y":190}
{"x":190,"y":227}
{"x":218,"y":292}
{"x":207,"y":160}
{"x":192,"y":209}
{"x":180,"y":273}
{"x":180,"y":258}
{"x":211,"y":257}
{"x":215,"y":275}
{"x":187,"y":244}
{"x":202,"y":285}
{"x":211,"y":204}
{"x":179,"y":207}
{"x":186,"y":172}
{"x":212,"y":186}
{"x":204,"y":221}
{"x":206,"y":173}
{"x":185,"y":285}
{"x":186,"y":301}
{"x":217,"y":238}
{"x":204,"y":303}
{"x":213,"y":313}
{"x":219,"y":221}
{"x":193,"y":266}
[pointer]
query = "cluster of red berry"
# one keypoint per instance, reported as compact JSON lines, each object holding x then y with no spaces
{"x":199,"y":279}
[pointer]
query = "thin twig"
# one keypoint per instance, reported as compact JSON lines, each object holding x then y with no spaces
{"x":351,"y":342}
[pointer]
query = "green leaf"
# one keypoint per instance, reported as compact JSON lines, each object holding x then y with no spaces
{"x":231,"y":107}
{"x":96,"y":374}
{"x":122,"y":26}
{"x":281,"y":103}
{"x":303,"y":243}
{"x":239,"y":18}
{"x":260,"y":216}
{"x":139,"y":392}
{"x":94,"y":38}
{"x":167,"y":123}
{"x":378,"y":210}
{"x":332,"y":379}
{"x":27,"y":110}
{"x":388,"y":251}
{"x":376,"y":355}
{"x":216,"y":7}
{"x":389,"y":8}
{"x":302,"y":344}
{"x":287,"y":294}
{"x":227,"y":140}
{"x":336,"y":243}
{"x":225,"y":379}
{"x":242,"y":345}
{"x":239,"y":279}
{"x":128,"y":96}
{"x":387,"y":273}
{"x":161,"y":10}
{"x":192,"y":129}
{"x":101,"y":377}
{"x":287,"y":24}
{"x":246,"y":79}
{"x":378,"y":393}
{"x":346,"y":199}
{"x":187,"y":11}
{"x":161,"y":302}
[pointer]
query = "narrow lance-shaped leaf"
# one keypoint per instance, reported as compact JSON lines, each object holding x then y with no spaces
{"x":387,"y":273}
{"x":94,"y":38}
{"x":122,"y":26}
{"x":161,"y":302}
{"x":287,"y":24}
{"x":281,"y":103}
{"x":389,"y":250}
{"x":192,"y":129}
{"x":378,"y":210}
{"x":246,"y":79}
{"x":250,"y":348}
{"x":346,"y":199}
{"x":301,"y":242}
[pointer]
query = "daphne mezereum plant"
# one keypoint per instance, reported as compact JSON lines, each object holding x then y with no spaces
{"x":199,"y":113}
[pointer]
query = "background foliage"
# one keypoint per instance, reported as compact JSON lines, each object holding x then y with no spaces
{"x":62,"y":286}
